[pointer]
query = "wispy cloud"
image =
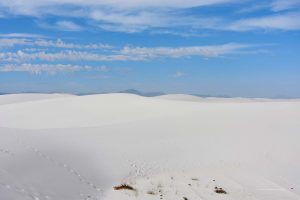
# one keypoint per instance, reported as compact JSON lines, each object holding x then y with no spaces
{"x":49,"y":68}
{"x":279,"y":5}
{"x":11,"y":42}
{"x":38,"y":8}
{"x":62,"y":25}
{"x":136,"y":16}
{"x":120,"y":15}
{"x":127,"y":53}
{"x":102,"y":68}
{"x":177,"y":52}
{"x":273,"y":5}
{"x":178,"y":74}
{"x":137,"y":21}
{"x":286,"y":21}
{"x":21,"y":35}
{"x":178,"y":33}
{"x":68,"y":26}
{"x":255,"y":7}
{"x":21,"y":56}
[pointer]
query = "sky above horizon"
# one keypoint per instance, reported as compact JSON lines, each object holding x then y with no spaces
{"x":212,"y":47}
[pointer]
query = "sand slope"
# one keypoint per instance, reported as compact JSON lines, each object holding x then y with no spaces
{"x":18,"y":98}
{"x":80,"y":147}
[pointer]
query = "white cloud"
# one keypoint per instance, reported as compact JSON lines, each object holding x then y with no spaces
{"x":68,"y":26}
{"x":177,"y":52}
{"x":286,"y":21}
{"x":255,"y":7}
{"x":21,"y":35}
{"x":137,"y":21}
{"x":37,"y":8}
{"x":10,"y":42}
{"x":117,"y":15}
{"x":61,"y":44}
{"x":279,"y":5}
{"x":136,"y":16}
{"x":273,"y":5}
{"x":127,"y":53}
{"x":21,"y":56}
{"x":178,"y":74}
{"x":62,"y":25}
{"x":102,"y":68}
{"x":49,"y":68}
{"x":178,"y":33}
{"x":127,"y":22}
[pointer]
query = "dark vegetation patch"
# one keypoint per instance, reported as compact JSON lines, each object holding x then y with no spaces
{"x":220,"y":190}
{"x":151,"y":192}
{"x":195,"y":179}
{"x":185,"y":198}
{"x":124,"y":187}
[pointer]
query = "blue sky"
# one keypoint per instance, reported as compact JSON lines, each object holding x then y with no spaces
{"x":213,"y":47}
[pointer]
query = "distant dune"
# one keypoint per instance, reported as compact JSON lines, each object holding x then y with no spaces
{"x":125,"y":146}
{"x":186,"y":97}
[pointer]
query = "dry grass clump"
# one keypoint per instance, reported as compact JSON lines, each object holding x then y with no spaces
{"x":151,"y":192}
{"x":220,"y":190}
{"x":124,"y":187}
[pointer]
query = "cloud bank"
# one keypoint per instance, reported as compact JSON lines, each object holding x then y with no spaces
{"x":126,"y":53}
{"x":136,"y":16}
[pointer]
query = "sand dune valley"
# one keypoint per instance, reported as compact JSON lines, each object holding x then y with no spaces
{"x":124,"y":146}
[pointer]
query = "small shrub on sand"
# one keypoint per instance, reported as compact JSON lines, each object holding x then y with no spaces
{"x":124,"y":187}
{"x":220,"y":190}
{"x":151,"y":192}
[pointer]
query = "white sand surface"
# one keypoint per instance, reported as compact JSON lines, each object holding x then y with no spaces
{"x":80,"y":147}
{"x":16,"y":98}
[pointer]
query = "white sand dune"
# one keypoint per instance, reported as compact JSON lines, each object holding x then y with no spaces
{"x":185,"y":97}
{"x":80,"y":147}
{"x":180,"y":97}
{"x":17,"y":98}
